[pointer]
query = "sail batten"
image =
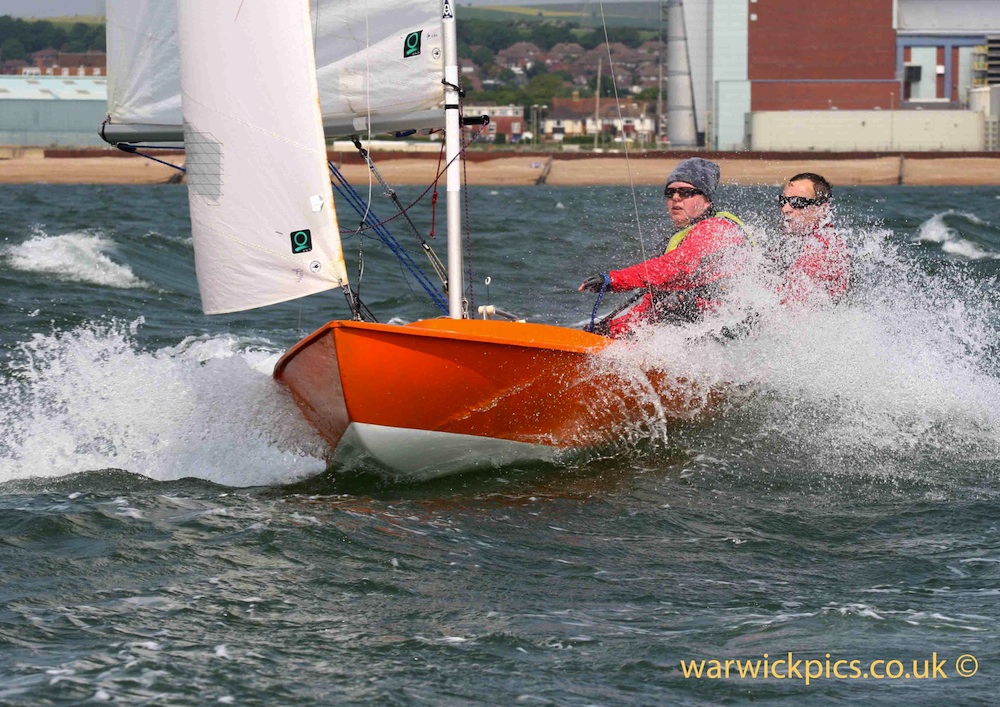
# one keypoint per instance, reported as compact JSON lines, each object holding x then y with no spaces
{"x":262,"y":217}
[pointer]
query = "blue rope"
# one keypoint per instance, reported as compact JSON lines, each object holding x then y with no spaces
{"x":351,"y":196}
{"x":597,"y":304}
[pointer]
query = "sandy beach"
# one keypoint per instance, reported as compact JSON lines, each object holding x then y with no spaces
{"x":512,"y":168}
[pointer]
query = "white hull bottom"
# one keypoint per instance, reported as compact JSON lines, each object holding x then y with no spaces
{"x":418,"y":455}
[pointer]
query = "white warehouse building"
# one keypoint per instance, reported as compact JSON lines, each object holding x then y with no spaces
{"x":52,"y":111}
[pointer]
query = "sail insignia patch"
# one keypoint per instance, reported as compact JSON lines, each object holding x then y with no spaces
{"x":411,"y":45}
{"x":302,"y":241}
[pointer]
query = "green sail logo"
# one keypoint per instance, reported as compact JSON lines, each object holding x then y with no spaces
{"x":301,"y":241}
{"x":411,"y":45}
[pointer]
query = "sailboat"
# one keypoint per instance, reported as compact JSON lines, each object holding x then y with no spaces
{"x":261,"y":86}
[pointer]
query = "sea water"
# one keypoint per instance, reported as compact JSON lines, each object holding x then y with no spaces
{"x":170,"y":532}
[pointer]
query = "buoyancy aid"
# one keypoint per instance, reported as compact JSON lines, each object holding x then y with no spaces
{"x":677,"y":238}
{"x":682,"y":304}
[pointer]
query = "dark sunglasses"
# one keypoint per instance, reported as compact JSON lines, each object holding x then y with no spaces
{"x":799,"y":202}
{"x":682,"y":192}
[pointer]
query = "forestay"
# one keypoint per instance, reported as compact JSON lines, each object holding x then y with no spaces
{"x":379,"y":63}
{"x":262,"y":214}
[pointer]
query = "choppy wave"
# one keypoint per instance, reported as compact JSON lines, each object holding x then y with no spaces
{"x":77,"y":257}
{"x":905,"y":374}
{"x":946,"y":229}
{"x":91,"y":399}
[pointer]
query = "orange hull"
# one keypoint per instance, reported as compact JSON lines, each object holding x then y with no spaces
{"x":528,"y":384}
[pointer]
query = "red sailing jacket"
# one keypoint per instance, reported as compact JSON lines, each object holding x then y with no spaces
{"x":822,"y":268}
{"x":696,"y":258}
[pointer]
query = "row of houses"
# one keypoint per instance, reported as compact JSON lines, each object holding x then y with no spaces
{"x":575,"y":117}
{"x":53,"y":62}
{"x":633,"y":68}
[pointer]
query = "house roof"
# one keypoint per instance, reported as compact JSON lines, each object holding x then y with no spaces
{"x":520,"y":49}
{"x":565,"y":113}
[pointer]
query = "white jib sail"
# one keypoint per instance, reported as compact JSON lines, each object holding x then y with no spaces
{"x":379,"y":62}
{"x":262,"y":214}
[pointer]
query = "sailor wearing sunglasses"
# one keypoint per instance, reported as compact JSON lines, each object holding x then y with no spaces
{"x":817,"y":257}
{"x":688,"y":278}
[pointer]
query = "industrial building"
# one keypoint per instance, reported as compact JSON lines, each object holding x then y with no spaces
{"x":871,"y":75}
{"x":50,"y":111}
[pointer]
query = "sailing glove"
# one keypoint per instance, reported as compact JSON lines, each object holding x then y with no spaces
{"x":595,"y":283}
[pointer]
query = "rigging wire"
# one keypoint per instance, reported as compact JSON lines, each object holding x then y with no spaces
{"x":368,"y":116}
{"x":432,"y":257}
{"x":618,"y":108}
{"x":352,"y":197}
{"x":370,"y":222}
{"x":628,"y":164}
{"x":424,"y":193}
{"x":471,"y":304}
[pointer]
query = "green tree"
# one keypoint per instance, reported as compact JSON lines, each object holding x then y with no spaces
{"x":35,"y":35}
{"x":629,"y":36}
{"x":13,"y":49}
{"x":495,"y":35}
{"x":590,"y":40}
{"x":77,"y":39}
{"x":536,"y":69}
{"x":543,"y":87}
{"x":546,"y":35}
{"x":483,"y":56}
{"x":607,"y":85}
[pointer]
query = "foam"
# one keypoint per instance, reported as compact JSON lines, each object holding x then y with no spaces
{"x":906,"y":366}
{"x":76,"y":257}
{"x":92,"y":398}
{"x":937,"y":230}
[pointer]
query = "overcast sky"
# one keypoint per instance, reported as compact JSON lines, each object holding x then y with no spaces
{"x":51,"y":8}
{"x":62,"y":8}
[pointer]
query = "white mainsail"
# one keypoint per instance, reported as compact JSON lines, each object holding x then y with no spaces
{"x":379,"y":60}
{"x":262,"y":213}
{"x":379,"y":64}
{"x":144,"y":73}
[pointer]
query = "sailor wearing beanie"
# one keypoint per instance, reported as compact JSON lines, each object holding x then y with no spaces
{"x":688,"y":279}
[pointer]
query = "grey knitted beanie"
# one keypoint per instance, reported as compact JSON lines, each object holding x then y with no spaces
{"x":699,"y":173}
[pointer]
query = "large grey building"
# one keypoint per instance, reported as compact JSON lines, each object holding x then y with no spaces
{"x":52,"y":111}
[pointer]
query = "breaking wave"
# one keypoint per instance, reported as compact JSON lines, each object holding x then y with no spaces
{"x":91,"y":399}
{"x":77,"y":257}
{"x":950,"y":230}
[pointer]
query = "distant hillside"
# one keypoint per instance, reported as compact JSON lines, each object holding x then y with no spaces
{"x":20,"y":38}
{"x":73,"y":19}
{"x":585,"y":14}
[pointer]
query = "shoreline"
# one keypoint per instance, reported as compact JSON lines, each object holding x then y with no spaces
{"x":496,"y":168}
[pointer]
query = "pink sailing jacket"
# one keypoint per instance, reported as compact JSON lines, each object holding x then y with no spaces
{"x":687,"y":279}
{"x":822,"y":269}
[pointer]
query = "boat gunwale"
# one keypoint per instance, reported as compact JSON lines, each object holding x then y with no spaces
{"x":436,"y":329}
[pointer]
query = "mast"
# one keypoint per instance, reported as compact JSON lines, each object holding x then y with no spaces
{"x":453,"y":176}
